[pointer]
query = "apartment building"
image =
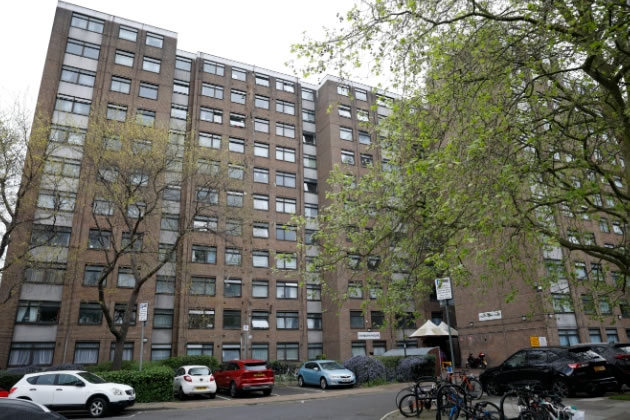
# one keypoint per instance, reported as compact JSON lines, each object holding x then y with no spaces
{"x":218,"y":297}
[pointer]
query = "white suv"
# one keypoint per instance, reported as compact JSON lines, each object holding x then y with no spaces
{"x":72,"y":390}
{"x":194,"y":380}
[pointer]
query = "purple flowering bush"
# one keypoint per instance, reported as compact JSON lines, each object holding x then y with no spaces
{"x":411,"y":368}
{"x":365,"y":368}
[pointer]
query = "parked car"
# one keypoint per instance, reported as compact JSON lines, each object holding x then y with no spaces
{"x":11,"y":409}
{"x":3,"y":393}
{"x":194,"y":380}
{"x":72,"y":390}
{"x":238,"y":376}
{"x":560,"y":369}
{"x":325,"y":373}
{"x":616,"y":354}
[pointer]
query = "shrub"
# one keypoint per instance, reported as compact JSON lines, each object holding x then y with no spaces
{"x":411,"y":368}
{"x":8,"y":379}
{"x":321,"y":357}
{"x":280,"y":367}
{"x":23,"y":370}
{"x":391,"y":364}
{"x":365,"y":368}
{"x":107,"y":366}
{"x":176,"y":362}
{"x":151,"y":385}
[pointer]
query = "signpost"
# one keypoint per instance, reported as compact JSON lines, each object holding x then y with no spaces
{"x":444,"y":292}
{"x":143,"y":315}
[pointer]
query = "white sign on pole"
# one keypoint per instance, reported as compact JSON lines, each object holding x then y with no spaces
{"x":443,"y":288}
{"x":369,"y":335}
{"x":245,"y":327}
{"x":143,"y":312}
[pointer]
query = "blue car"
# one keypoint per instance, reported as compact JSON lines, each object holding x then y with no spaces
{"x":325,"y":373}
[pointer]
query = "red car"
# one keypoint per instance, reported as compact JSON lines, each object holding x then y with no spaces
{"x":243,"y":376}
{"x":3,"y":393}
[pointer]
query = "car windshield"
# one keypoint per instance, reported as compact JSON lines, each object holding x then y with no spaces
{"x":255,"y":366}
{"x":92,"y":378}
{"x":624,"y":348}
{"x":582,"y":354}
{"x":199,"y":371}
{"x":331,"y":366}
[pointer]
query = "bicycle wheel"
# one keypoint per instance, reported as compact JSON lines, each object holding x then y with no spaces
{"x":426,"y":388}
{"x":511,"y":405}
{"x":473,"y":388}
{"x":410,"y":405}
{"x":450,"y":399}
{"x":487,"y":410}
{"x":406,"y":390}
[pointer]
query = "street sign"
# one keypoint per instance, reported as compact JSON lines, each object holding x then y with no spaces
{"x":143,"y":312}
{"x":245,"y":327}
{"x":443,"y":288}
{"x":368,"y":335}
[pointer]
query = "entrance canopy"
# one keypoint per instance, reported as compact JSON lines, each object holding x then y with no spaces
{"x":429,"y":329}
{"x":445,"y":327}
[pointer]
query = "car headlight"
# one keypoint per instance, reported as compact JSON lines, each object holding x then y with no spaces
{"x":117,"y":391}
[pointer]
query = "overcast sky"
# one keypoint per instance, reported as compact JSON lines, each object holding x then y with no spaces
{"x":258,"y":32}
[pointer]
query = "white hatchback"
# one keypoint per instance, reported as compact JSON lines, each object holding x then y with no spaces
{"x":72,"y":390}
{"x":194,"y":380}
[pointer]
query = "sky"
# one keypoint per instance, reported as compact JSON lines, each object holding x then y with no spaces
{"x":257,"y":32}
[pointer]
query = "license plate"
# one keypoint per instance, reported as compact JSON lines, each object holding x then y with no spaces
{"x":200,"y":388}
{"x":599,"y":368}
{"x":258,"y":375}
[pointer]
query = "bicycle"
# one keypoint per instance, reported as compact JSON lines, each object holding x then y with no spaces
{"x":415,"y":398}
{"x":452,"y":401}
{"x":532,"y":404}
{"x":472,"y":386}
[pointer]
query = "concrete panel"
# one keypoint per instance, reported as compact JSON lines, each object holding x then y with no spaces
{"x":79,"y":91}
{"x":171,"y":207}
{"x":173,"y":178}
{"x":180,"y":99}
{"x":35,"y":333}
{"x":312,"y":251}
{"x":59,"y":183}
{"x":83,"y":35}
{"x":310,"y":173}
{"x":168,"y":269}
{"x":382,"y":110}
{"x":311,"y":224}
{"x":308,"y":105}
{"x":315,"y":336}
{"x":162,"y":337}
{"x":66,"y":151}
{"x":310,"y":149}
{"x":310,"y":198}
{"x":168,"y":237}
{"x":313,"y":306}
{"x":45,"y":217}
{"x":565,"y":320}
{"x":553,"y":252}
{"x":71,"y":120}
{"x":308,"y":127}
{"x":164,"y":301}
{"x":177,"y":124}
{"x":50,"y":254}
{"x":80,"y":62}
{"x":182,"y":75}
{"x":32,"y":291}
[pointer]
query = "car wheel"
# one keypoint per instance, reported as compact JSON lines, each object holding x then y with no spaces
{"x":300,"y":381}
{"x":266,"y":392}
{"x":180,"y":394}
{"x":492,"y":388}
{"x":97,"y":407}
{"x":323,"y":384}
{"x":212,"y":395}
{"x":233,"y":390}
{"x":561,"y":388}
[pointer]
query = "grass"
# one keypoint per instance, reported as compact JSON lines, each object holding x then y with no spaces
{"x":623,"y":397}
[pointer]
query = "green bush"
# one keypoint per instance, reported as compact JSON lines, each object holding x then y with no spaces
{"x":107,"y":366}
{"x":176,"y":362}
{"x":8,"y":379}
{"x":391,"y":364}
{"x":151,"y":385}
{"x":281,"y":367}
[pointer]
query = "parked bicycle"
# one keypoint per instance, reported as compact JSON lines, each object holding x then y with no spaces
{"x":412,"y":400}
{"x":471,"y":385}
{"x":529,"y":403}
{"x":453,"y":401}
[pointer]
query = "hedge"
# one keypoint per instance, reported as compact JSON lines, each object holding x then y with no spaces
{"x":365,"y":368}
{"x":8,"y":379}
{"x":151,"y":385}
{"x":176,"y":362}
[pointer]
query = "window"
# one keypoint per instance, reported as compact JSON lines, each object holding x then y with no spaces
{"x":62,"y":167}
{"x":235,"y":199}
{"x":603,"y":225}
{"x":85,"y":49}
{"x":154,"y":40}
{"x":127,"y":351}
{"x":355,"y":290}
{"x":588,"y":304}
{"x":167,"y":253}
{"x":211,"y":115}
{"x":406,"y":320}
{"x":362,"y":115}
{"x":145,"y":117}
{"x":260,"y":258}
{"x":202,"y":286}
{"x":99,"y":239}
{"x":594,"y":335}
{"x":287,"y":351}
{"x":379,"y":348}
{"x":49,"y":235}
{"x":179,"y":112}
{"x":366,"y":160}
{"x":261,"y":175}
{"x":160,"y":352}
{"x":92,"y":275}
{"x":212,"y":91}
{"x":285,"y":153}
{"x":345,"y":133}
{"x":119,"y":314}
{"x":120,"y":84}
{"x":260,"y":288}
{"x":261,"y":202}
{"x":236,"y":145}
{"x":377,"y":291}
{"x":233,"y":256}
{"x":239,"y":74}
{"x":568,"y":337}
{"x":110,"y":143}
{"x":207,"y":195}
{"x":260,"y":230}
{"x":358,"y":348}
{"x":314,"y":321}
{"x":347,"y":157}
{"x":116,"y":112}
{"x":580,"y":271}
{"x":260,"y":351}
{"x":130,"y":34}
{"x":378,"y":319}
{"x":286,"y":290}
{"x":611,"y":335}
{"x":287,"y":320}
{"x":165,"y":285}
{"x":360,"y":94}
{"x":596,"y":272}
{"x":147,"y":90}
{"x":86,"y":353}
{"x":237,"y":120}
{"x":151,"y":64}
{"x":181,"y":87}
{"x":260,"y":320}
{"x":356,"y":319}
{"x":236,"y":171}
{"x":231,"y":319}
{"x":90,"y":314}
{"x":182,"y":63}
{"x":604,"y":306}
{"x":310,"y":185}
{"x":51,"y":273}
{"x":261,"y":125}
{"x":73,"y":105}
{"x":124,"y":58}
{"x":131,"y":243}
{"x":58,"y":200}
{"x":261,"y":102}
{"x":213,"y":68}
{"x":285,"y":107}
{"x":617,"y":229}
{"x":27,"y":354}
{"x":344,"y":111}
{"x":234,"y":227}
{"x":285,"y":130}
{"x":87,"y":22}
{"x":37,"y":312}
{"x":308,"y":138}
{"x":285,"y":85}
{"x":262,"y":80}
{"x":212,"y":141}
{"x":364,"y":138}
{"x":308,"y":95}
{"x":310,"y":210}
{"x":562,"y":303}
{"x":286,"y":260}
{"x":261,"y":150}
{"x":70,"y":135}
{"x":286,"y":233}
{"x":205,"y":224}
{"x":238,"y":96}
{"x":343,"y":90}
{"x":126,"y":278}
{"x":285,"y":179}
{"x":310,"y":161}
{"x":285,"y":205}
{"x":315,"y":350}
{"x":313,"y":292}
{"x":205,"y":349}
{"x":162,"y":318}
{"x":308,"y":116}
{"x":204,"y":254}
{"x":77,"y":76}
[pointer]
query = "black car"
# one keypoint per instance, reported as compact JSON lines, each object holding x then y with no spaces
{"x":11,"y":409}
{"x":562,"y":370}
{"x":616,"y":354}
